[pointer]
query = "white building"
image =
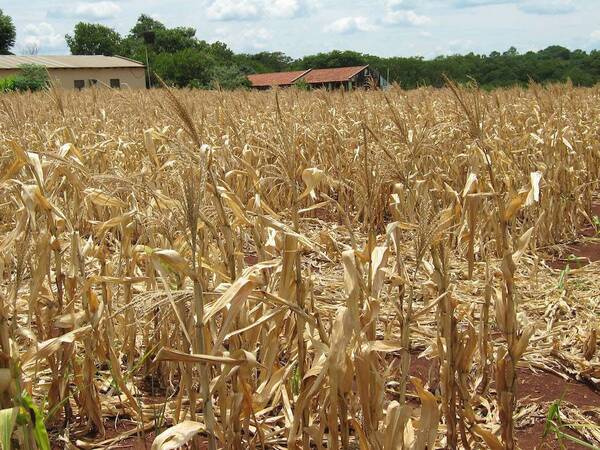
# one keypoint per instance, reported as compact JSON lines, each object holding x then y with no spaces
{"x":81,"y":71}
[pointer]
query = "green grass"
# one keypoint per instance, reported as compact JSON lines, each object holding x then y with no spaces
{"x":555,"y":426}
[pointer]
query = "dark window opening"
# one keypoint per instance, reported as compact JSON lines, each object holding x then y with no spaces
{"x":115,"y":83}
{"x":79,"y":84}
{"x":92,"y":82}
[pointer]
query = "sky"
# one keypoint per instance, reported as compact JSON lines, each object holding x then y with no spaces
{"x":426,"y":28}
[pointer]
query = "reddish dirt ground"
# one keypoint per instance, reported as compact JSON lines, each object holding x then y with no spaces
{"x":542,"y":387}
{"x":533,"y":387}
{"x":530,"y":438}
{"x":585,"y":251}
{"x":547,"y":387}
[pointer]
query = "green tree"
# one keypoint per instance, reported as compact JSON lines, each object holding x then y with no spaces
{"x":93,"y":39}
{"x":173,"y":40}
{"x":146,"y":23}
{"x":228,"y":77}
{"x":272,"y":61}
{"x":163,"y":47}
{"x":185,"y":67}
{"x":336,"y":58}
{"x":161,"y":38}
{"x":220,"y":51}
{"x":579,"y":77}
{"x":555,"y":51}
{"x":7,"y":33}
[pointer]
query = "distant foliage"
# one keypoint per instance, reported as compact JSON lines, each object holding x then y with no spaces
{"x":7,"y":34}
{"x":93,"y":39}
{"x":181,"y":59}
{"x":268,"y":61}
{"x":185,"y":67}
{"x":228,"y":77}
{"x":302,"y":85}
{"x":510,"y":68}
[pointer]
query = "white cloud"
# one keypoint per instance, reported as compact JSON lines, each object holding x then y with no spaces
{"x":409,"y":18}
{"x":247,"y":40}
{"x":257,"y":37}
{"x":455,"y":46}
{"x":547,"y":6}
{"x":87,"y":10}
{"x":97,"y":10}
{"x":288,"y":8}
{"x":257,"y":9}
{"x":234,"y":10}
{"x":401,"y":4}
{"x":401,"y":12}
{"x":297,"y":26}
{"x":42,"y":36}
{"x":347,"y":25}
{"x":473,"y":3}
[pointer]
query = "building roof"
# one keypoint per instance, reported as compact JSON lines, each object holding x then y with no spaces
{"x":276,"y":78}
{"x":69,"y":61}
{"x":316,"y":76}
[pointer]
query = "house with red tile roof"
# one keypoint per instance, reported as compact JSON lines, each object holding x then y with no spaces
{"x":334,"y":78}
{"x":281,"y":79}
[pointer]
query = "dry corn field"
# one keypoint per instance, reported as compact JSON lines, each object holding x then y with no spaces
{"x":285,"y":269}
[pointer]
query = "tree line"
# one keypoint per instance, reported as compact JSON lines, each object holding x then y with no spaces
{"x":179,"y":58}
{"x":509,"y":68}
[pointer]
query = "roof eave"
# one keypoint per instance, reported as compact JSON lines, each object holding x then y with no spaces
{"x":300,"y":76}
{"x":341,"y":80}
{"x":55,"y":62}
{"x":140,"y":64}
{"x":359,"y":70}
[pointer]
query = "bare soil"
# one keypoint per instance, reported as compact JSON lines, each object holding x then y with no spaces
{"x":543,"y":387}
{"x":533,"y":388}
{"x":584,"y":250}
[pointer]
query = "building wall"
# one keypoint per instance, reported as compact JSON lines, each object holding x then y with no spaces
{"x":133,"y":77}
{"x":8,"y":72}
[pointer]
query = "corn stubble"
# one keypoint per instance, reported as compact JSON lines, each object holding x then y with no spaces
{"x":260,"y":270}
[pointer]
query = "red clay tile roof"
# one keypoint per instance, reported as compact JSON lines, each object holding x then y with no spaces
{"x":332,"y":75}
{"x":276,"y":78}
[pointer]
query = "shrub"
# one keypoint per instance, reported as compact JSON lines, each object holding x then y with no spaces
{"x":7,"y":84}
{"x":196,"y":84}
{"x":302,"y":85}
{"x":228,"y":78}
{"x":32,"y":77}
